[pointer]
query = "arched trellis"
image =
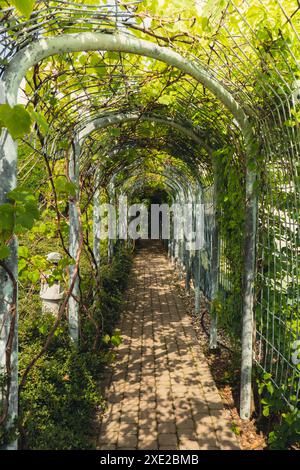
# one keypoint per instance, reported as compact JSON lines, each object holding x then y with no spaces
{"x":80,"y":136}
{"x":175,"y":173}
{"x":46,"y":47}
{"x":170,"y":173}
{"x":169,"y":145}
{"x":187,"y":128}
{"x":177,"y":182}
{"x":140,"y":144}
{"x":101,"y":123}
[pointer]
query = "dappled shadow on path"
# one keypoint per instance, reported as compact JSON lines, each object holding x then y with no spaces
{"x":160,"y":393}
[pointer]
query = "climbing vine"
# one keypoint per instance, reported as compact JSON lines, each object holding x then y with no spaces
{"x":231,"y":215}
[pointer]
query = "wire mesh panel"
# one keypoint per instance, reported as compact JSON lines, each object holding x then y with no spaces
{"x":206,"y":251}
{"x":278,"y":276}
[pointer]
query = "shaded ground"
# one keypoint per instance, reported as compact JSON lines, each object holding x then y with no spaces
{"x":161,"y":393}
{"x":225,"y":368}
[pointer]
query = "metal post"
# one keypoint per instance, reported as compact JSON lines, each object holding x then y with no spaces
{"x":213,"y":344}
{"x":73,"y":310}
{"x":248,"y":314}
{"x":188,"y":245}
{"x":171,"y":241}
{"x":187,"y":263}
{"x":181,"y":241}
{"x":197,"y":282}
{"x":97,"y":225}
{"x":123,"y":219}
{"x":110,"y":243}
{"x":197,"y":276}
{"x":176,"y":237}
{"x":8,"y":283}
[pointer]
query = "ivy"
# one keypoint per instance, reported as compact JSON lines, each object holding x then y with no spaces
{"x":286,"y":418}
{"x":230,"y":215}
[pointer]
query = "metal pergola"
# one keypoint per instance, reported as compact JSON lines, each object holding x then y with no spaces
{"x":89,"y":71}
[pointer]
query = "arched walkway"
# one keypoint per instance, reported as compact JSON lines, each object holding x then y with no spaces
{"x":161,"y":394}
{"x":101,"y":103}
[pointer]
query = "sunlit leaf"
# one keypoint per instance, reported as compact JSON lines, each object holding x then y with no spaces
{"x":24,"y":7}
{"x":17,"y":120}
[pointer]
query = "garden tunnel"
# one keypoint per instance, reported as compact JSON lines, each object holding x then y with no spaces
{"x":204,"y":104}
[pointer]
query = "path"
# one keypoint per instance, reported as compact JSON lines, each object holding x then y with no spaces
{"x":161,"y":393}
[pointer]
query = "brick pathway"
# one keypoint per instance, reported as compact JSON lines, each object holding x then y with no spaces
{"x":161,"y":394}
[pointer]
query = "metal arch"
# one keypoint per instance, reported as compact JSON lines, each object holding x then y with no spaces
{"x":138,"y":161}
{"x":171,"y":182}
{"x":183,"y":187}
{"x":168,"y":178}
{"x":80,"y":136}
{"x":120,"y":118}
{"x":138,"y":183}
{"x":137,"y":144}
{"x":116,"y":42}
{"x":97,"y":221}
{"x":167,"y":148}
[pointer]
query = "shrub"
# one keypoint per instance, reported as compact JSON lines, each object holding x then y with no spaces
{"x":61,"y":393}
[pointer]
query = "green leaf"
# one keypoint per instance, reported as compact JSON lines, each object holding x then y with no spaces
{"x":112,"y":55}
{"x":106,"y":339}
{"x":22,"y":264}
{"x":63,"y":186}
{"x":271,"y":437}
{"x":100,"y":70}
{"x":6,"y":217}
{"x":204,"y":23}
{"x":63,"y":144}
{"x":41,"y":121}
{"x":115,"y":131}
{"x":24,"y":208}
{"x":98,"y":65}
{"x":256,"y":14}
{"x":4,"y":252}
{"x":20,"y":194}
{"x":116,"y":340}
{"x":24,"y":7}
{"x":266,"y":376}
{"x":165,"y":99}
{"x":16,"y":120}
{"x":235,"y":429}
{"x":23,"y":251}
{"x":43,"y":329}
{"x":33,"y":276}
